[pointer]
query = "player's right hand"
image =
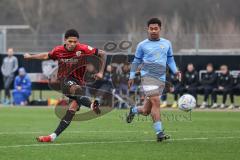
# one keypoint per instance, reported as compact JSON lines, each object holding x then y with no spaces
{"x":179,"y":75}
{"x":130,"y":83}
{"x":27,"y":56}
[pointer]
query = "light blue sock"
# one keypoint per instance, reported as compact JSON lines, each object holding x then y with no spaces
{"x":158,"y":126}
{"x":135,"y":110}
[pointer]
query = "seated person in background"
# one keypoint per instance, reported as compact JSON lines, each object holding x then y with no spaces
{"x":105,"y":84}
{"x":224,"y":86}
{"x":107,"y":79}
{"x":101,"y":88}
{"x":164,"y":98}
{"x":115,"y":76}
{"x":22,"y":88}
{"x":235,"y":89}
{"x":208,"y":82}
{"x":173,"y":85}
{"x":124,"y":80}
{"x":137,"y":89}
{"x":190,"y":81}
{"x":166,"y":90}
{"x":89,"y":78}
{"x":175,"y":90}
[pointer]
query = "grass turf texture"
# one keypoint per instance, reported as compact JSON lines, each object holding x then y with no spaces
{"x":53,"y":94}
{"x":207,"y":135}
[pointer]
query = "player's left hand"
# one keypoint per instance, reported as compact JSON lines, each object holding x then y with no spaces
{"x":101,"y":52}
{"x":179,"y":75}
{"x":98,"y":76}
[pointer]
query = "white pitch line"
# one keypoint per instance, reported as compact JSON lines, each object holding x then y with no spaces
{"x":39,"y":132}
{"x":127,"y":131}
{"x":109,"y":142}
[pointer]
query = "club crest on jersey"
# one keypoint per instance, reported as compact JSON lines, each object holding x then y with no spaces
{"x":162,"y":46}
{"x":78,"y":53}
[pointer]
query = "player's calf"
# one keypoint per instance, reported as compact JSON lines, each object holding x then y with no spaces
{"x":64,"y":123}
{"x":86,"y":101}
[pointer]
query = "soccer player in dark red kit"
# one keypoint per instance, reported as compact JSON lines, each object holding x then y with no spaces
{"x":71,"y":59}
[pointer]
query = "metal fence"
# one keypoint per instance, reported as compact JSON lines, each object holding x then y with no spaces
{"x":187,"y":43}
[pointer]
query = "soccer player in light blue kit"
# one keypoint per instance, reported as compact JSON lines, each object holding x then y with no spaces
{"x":151,"y":58}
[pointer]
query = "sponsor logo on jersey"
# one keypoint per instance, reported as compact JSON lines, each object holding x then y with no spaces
{"x":71,"y":60}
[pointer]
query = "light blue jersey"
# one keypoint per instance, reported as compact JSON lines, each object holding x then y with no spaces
{"x":152,"y":57}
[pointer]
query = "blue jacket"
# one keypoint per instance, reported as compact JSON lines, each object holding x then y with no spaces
{"x":24,"y":82}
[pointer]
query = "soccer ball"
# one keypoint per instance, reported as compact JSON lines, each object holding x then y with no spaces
{"x":186,"y":102}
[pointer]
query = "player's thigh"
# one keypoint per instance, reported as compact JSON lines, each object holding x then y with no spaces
{"x":152,"y":87}
{"x":69,"y":86}
{"x":155,"y":101}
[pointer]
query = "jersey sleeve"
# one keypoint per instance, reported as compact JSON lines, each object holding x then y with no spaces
{"x":139,"y":52}
{"x":89,"y":50}
{"x":170,"y":59}
{"x":138,"y":59}
{"x":53,"y":54}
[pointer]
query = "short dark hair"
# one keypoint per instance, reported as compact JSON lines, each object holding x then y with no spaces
{"x":71,"y":33}
{"x":210,"y":64}
{"x":154,"y":21}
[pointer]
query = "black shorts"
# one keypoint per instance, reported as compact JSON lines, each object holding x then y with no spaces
{"x":66,"y":85}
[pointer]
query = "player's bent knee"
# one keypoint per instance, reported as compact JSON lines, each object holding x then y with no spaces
{"x":146,"y":112}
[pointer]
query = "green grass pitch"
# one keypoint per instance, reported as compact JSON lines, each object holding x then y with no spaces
{"x":201,"y":135}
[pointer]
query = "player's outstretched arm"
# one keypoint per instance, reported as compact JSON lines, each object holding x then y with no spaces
{"x":135,"y":66}
{"x":172,"y":65}
{"x":40,"y":56}
{"x":103,"y":58}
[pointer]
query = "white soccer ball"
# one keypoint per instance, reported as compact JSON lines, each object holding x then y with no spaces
{"x":186,"y":102}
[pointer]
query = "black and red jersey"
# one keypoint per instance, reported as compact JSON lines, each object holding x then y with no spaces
{"x":72,"y":63}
